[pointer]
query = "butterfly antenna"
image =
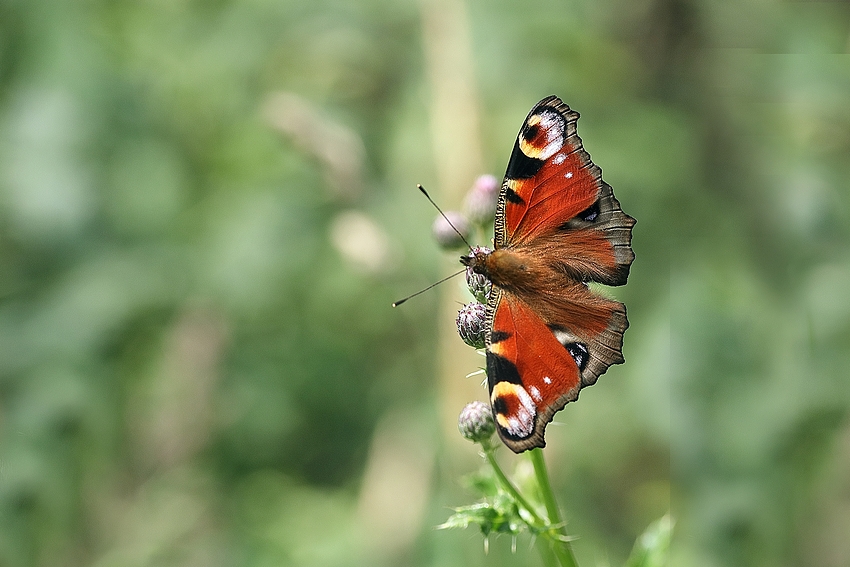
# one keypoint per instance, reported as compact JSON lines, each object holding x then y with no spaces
{"x":400,"y":301}
{"x":427,"y":196}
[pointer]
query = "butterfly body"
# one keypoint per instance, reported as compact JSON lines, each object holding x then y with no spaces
{"x":508,"y":269}
{"x":558,"y":226}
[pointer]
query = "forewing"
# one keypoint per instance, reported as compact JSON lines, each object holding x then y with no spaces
{"x":553,"y":189}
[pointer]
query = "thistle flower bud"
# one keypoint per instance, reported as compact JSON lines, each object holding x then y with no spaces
{"x":479,"y":285}
{"x":445,"y":235}
{"x":471,"y":324}
{"x":480,"y":202}
{"x":476,"y":422}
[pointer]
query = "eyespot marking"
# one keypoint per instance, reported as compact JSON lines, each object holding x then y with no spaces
{"x":543,"y":134}
{"x":579,"y":353}
{"x":514,"y":410}
{"x":590,"y":213}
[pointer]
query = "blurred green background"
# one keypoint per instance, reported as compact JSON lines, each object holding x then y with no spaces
{"x":206,"y":209}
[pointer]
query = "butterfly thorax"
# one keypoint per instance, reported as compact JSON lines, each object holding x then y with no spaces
{"x":508,"y":269}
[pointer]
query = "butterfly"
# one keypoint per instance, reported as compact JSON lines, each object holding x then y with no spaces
{"x":558,"y":226}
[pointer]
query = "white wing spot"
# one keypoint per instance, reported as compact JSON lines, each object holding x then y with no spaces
{"x":568,"y":174}
{"x":547,"y":379}
{"x":559,"y":159}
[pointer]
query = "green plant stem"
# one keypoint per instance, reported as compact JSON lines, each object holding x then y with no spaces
{"x":547,"y":555}
{"x":508,"y":486}
{"x":562,"y":548}
{"x":546,"y":551}
{"x":559,"y":549}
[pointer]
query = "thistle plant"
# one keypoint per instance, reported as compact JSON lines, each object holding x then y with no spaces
{"x":472,"y":324}
{"x":504,"y":508}
{"x":479,"y":285}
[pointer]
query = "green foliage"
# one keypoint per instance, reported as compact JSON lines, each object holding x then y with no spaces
{"x":652,"y":547}
{"x":497,"y":512}
{"x":505,"y":509}
{"x":497,"y":516}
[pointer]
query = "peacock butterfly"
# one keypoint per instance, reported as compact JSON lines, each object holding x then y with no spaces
{"x":557,"y":227}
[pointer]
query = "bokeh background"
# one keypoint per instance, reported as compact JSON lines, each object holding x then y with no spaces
{"x":206,"y":209}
